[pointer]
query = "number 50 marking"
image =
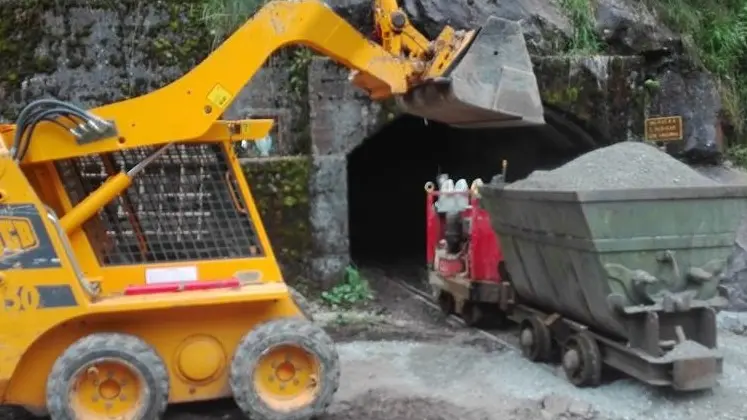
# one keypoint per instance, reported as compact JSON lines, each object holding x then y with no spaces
{"x":21,"y":298}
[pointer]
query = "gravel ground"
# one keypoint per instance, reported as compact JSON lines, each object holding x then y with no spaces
{"x":622,"y":165}
{"x":416,"y":361}
{"x":401,"y":361}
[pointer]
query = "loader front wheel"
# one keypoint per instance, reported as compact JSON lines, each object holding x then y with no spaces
{"x":104,"y":376}
{"x":285,"y":369}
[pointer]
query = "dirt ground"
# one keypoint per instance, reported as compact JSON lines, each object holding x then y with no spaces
{"x":401,"y":360}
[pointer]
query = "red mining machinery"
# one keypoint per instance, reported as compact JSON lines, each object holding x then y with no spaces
{"x":463,"y":253}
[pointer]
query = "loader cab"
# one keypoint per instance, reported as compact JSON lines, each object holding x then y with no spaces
{"x":188,"y":216}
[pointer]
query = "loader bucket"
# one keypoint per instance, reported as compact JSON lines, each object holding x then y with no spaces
{"x":490,"y":84}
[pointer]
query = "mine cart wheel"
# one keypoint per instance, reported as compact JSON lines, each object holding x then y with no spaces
{"x":302,"y":303}
{"x":446,"y":302}
{"x":536,"y":340}
{"x":285,"y":369}
{"x":582,"y":360}
{"x":104,"y":376}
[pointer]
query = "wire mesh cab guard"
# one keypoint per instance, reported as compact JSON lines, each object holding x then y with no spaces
{"x":186,"y":205}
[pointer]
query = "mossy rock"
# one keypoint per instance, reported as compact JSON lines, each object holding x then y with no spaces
{"x":601,"y":93}
{"x":281,"y":192}
{"x":84,"y":50}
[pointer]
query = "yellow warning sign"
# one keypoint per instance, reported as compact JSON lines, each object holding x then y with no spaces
{"x":16,"y":235}
{"x":219,"y":96}
{"x":664,"y":129}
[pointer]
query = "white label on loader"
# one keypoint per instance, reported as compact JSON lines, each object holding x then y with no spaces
{"x":170,"y":275}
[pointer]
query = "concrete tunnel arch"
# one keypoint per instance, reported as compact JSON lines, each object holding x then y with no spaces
{"x":367,"y":199}
{"x":386,"y":173}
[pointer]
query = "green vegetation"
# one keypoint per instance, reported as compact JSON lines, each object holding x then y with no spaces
{"x":715,"y":32}
{"x":584,"y":39}
{"x":351,"y":290}
{"x":738,"y":155}
{"x":225,"y":16}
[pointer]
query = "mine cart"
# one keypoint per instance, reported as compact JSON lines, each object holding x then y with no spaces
{"x":626,"y":278}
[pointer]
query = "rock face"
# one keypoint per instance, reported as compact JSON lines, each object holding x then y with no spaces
{"x":545,"y":24}
{"x":637,"y":50}
{"x":629,"y":28}
{"x":735,"y":274}
{"x":96,"y":52}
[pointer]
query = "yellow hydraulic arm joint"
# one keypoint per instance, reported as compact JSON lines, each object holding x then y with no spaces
{"x":398,"y":36}
{"x":401,"y":38}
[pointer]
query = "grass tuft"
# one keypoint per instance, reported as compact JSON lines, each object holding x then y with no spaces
{"x":223,"y":17}
{"x":584,"y":39}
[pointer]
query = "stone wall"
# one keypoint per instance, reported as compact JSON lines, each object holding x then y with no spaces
{"x":94,"y":52}
{"x":341,"y":117}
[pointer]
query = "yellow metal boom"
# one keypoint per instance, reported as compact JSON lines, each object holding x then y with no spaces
{"x":190,"y":107}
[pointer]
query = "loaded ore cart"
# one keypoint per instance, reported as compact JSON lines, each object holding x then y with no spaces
{"x":627,"y":278}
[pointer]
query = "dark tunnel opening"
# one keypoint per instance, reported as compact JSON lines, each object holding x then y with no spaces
{"x":388,"y":171}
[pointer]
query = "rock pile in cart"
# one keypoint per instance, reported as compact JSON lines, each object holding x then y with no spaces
{"x":633,"y":165}
{"x":620,"y":166}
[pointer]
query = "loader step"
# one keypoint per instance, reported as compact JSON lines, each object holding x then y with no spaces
{"x":181,"y":287}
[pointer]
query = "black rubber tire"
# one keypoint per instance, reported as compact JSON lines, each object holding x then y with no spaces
{"x":125,"y":347}
{"x":589,"y":373}
{"x":541,"y":348}
{"x":302,"y":303}
{"x":278,"y":332}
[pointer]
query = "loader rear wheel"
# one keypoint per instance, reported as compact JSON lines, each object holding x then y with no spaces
{"x":302,"y":303}
{"x":104,"y":376}
{"x":582,"y":360}
{"x":535,"y":339}
{"x":285,"y":369}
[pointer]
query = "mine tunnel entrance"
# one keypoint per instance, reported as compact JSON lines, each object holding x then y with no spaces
{"x":388,"y":171}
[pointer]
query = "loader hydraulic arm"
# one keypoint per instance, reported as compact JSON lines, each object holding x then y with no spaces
{"x":471,"y":79}
{"x":396,"y":33}
{"x":398,"y":36}
{"x":188,"y":107}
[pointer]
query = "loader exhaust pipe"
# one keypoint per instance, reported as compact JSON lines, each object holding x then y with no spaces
{"x":490,"y":84}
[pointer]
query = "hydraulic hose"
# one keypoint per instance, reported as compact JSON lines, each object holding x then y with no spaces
{"x":36,"y":113}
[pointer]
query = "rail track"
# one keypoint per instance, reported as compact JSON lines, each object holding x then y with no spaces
{"x":507,"y":338}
